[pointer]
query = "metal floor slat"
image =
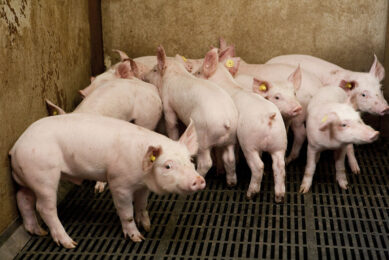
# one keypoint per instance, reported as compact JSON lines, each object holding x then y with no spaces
{"x":220,"y":223}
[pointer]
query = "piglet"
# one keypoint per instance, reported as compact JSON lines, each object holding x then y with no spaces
{"x":74,"y":147}
{"x":260,"y":124}
{"x":211,"y":108}
{"x":332,"y":124}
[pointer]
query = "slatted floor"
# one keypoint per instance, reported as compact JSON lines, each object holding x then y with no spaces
{"x":219,"y":223}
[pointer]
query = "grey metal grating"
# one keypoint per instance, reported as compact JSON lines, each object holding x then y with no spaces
{"x":219,"y":223}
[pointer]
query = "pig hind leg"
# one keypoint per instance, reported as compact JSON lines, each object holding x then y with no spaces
{"x":229,"y":164}
{"x":279,"y":175}
{"x":46,"y":204}
{"x":299,"y":133}
{"x":352,"y":161}
{"x":256,"y":166}
{"x":204,"y":162}
{"x":26,"y":204}
{"x":171,"y":123}
{"x":140,"y":205}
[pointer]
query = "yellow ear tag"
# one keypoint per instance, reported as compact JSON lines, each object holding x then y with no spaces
{"x":262,"y":87}
{"x":324,"y":119}
{"x":152,"y":158}
{"x":55,"y":112}
{"x":185,"y":59}
{"x":349,"y":85}
{"x":230,"y":63}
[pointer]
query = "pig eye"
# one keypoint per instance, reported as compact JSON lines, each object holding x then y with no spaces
{"x":344,"y":125}
{"x":154,"y":70}
{"x":363,"y":95}
{"x":277,"y":97}
{"x":168,"y":166}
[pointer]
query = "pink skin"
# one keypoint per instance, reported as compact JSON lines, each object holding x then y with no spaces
{"x":333,"y":124}
{"x":367,"y":87}
{"x":115,"y":98}
{"x":212,"y":110}
{"x":63,"y":147}
{"x":260,"y":125}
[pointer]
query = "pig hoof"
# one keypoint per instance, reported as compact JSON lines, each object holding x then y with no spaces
{"x":100,"y":186}
{"x":279,"y":198}
{"x":343,"y":185}
{"x":137,"y":237}
{"x":304,"y":188}
{"x":37,"y":230}
{"x":66,"y":242}
{"x":288,"y":160}
{"x":355,"y":169}
{"x":144,"y":221}
{"x":231,"y":183}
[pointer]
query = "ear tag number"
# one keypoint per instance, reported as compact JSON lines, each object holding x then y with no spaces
{"x":152,"y":158}
{"x":349,"y":85}
{"x":184,"y":59}
{"x":324,"y":119}
{"x":262,"y":87}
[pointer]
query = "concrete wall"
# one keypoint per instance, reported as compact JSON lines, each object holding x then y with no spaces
{"x":346,"y":32}
{"x":44,"y":53}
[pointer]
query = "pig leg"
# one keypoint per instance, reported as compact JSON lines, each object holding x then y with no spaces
{"x":204,"y":162}
{"x":26,"y":204}
{"x":140,"y":204}
{"x":256,"y":166}
{"x":340,"y":155}
{"x":100,"y":186}
{"x":219,"y":161}
{"x":352,"y":161}
{"x":171,"y":123}
{"x":312,"y":156}
{"x":122,"y":198}
{"x":299,"y":138}
{"x":46,"y":204}
{"x":279,"y":175}
{"x":229,"y":164}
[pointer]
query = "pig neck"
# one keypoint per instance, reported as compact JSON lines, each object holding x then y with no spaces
{"x":225,"y":80}
{"x":245,"y":67}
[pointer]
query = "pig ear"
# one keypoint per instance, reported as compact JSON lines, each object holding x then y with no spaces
{"x":92,"y":79}
{"x":134,"y":67}
{"x":347,"y":85}
{"x":53,"y":109}
{"x":124,"y":70}
{"x":222,"y":43}
{"x":377,"y":70}
{"x":189,"y":139}
{"x":187,"y":64}
{"x":260,"y":86}
{"x":122,"y":54}
{"x":352,"y":101}
{"x":153,"y":152}
{"x":161,"y":56}
{"x":327,"y":120}
{"x":210,"y":63}
{"x":227,"y":53}
{"x":295,"y":78}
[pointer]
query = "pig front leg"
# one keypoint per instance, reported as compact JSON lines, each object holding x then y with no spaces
{"x":352,"y":161}
{"x":229,"y":164}
{"x":100,"y":186}
{"x":256,"y":166}
{"x":140,"y":204}
{"x":312,"y":158}
{"x":279,"y":175}
{"x":339,"y":156}
{"x":204,"y":162}
{"x":171,"y":123}
{"x":123,"y":197}
{"x":299,"y":133}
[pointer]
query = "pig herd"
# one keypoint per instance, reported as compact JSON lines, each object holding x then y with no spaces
{"x":222,"y":100}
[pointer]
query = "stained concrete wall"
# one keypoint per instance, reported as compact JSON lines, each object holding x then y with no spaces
{"x":346,"y":32}
{"x":44,"y":53}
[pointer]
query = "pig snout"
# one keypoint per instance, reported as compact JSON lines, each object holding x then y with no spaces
{"x":197,"y":184}
{"x":373,"y":136}
{"x":385,"y":111}
{"x":297,"y":110}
